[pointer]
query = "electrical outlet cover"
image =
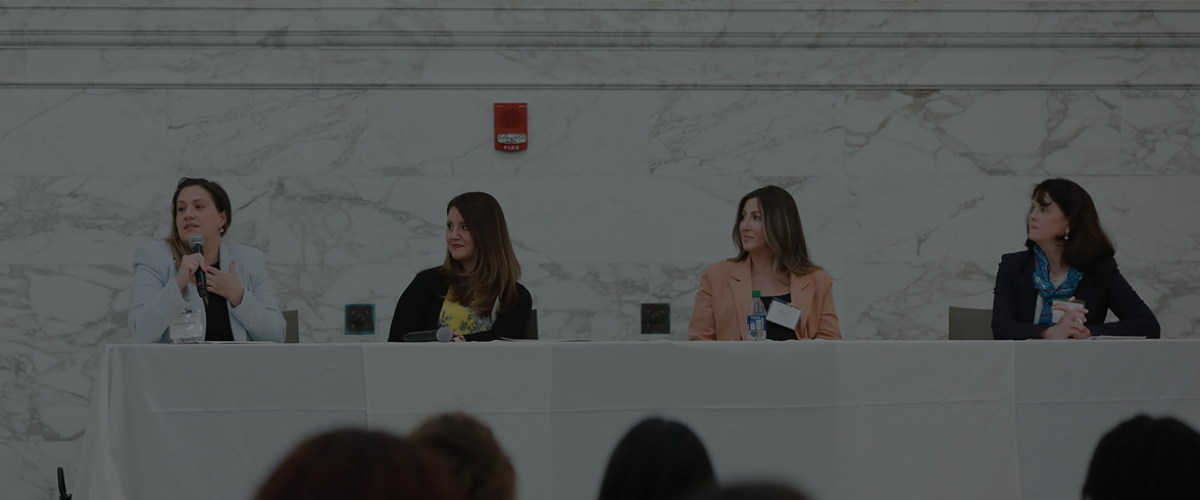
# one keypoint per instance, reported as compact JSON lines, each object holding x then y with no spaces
{"x":360,"y":319}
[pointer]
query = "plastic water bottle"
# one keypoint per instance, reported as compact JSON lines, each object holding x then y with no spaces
{"x":756,"y":318}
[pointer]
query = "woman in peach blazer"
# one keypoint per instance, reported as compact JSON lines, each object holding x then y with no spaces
{"x":772,"y":258}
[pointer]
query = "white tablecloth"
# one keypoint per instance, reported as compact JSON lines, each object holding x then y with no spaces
{"x":843,"y":420}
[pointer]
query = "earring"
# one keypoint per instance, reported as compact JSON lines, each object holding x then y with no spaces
{"x":1067,"y":237}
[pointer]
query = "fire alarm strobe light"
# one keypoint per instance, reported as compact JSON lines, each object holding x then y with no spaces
{"x":511,"y":126}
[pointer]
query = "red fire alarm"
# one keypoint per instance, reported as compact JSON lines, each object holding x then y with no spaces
{"x":511,"y":126}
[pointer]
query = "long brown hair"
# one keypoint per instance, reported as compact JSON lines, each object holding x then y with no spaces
{"x":221,"y":200}
{"x":1087,"y":241}
{"x":496,"y":270}
{"x":785,"y":234}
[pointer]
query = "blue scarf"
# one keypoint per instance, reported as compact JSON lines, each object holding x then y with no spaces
{"x":1045,"y":287}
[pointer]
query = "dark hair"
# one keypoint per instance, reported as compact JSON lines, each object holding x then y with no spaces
{"x":496,"y":269}
{"x":220,"y":199}
{"x":1145,"y":458}
{"x":753,"y":491}
{"x":781,"y":226}
{"x":362,"y":465}
{"x":657,"y":460}
{"x":1088,"y":242}
{"x":471,"y":453}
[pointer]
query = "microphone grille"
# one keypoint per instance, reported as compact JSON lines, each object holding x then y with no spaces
{"x":196,"y":240}
{"x":444,"y":334}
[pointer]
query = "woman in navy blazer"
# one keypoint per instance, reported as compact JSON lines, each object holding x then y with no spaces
{"x":1068,"y":255}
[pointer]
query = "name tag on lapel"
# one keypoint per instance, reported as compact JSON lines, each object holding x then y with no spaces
{"x":783,"y":314}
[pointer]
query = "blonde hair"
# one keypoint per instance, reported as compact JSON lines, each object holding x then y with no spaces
{"x":781,"y":226}
{"x":496,"y":270}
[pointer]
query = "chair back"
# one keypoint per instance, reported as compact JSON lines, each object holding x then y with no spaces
{"x":970,"y":324}
{"x":531,"y":329}
{"x":292,"y":318}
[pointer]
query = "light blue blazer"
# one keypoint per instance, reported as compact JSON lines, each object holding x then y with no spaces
{"x":156,"y":300}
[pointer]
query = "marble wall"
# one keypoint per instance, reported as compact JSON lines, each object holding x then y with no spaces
{"x":909,"y":133}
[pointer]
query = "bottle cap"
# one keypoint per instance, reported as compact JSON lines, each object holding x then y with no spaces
{"x":756,"y":293}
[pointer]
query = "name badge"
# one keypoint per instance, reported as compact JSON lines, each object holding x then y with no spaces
{"x":783,"y":314}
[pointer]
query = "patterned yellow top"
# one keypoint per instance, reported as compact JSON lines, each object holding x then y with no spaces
{"x":462,"y":319}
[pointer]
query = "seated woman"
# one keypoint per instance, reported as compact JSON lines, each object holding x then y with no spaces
{"x":772,"y":258}
{"x":474,"y":292}
{"x":1068,"y":255}
{"x":239,"y":305}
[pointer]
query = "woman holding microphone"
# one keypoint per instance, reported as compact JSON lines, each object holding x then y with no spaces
{"x":1068,"y":257}
{"x":238,"y":303}
{"x":474,"y":293}
{"x":773,"y":259}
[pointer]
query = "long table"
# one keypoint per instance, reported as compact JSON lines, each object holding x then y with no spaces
{"x":842,"y":420}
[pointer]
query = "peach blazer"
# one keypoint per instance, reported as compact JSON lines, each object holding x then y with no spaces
{"x":724,"y":297}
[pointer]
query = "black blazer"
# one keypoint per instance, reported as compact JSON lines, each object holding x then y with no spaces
{"x":421,"y":304}
{"x":1101,"y":288}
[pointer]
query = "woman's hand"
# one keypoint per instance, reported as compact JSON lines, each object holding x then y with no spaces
{"x":457,"y":337}
{"x":226,"y":284}
{"x":187,"y":269}
{"x":1070,"y":326}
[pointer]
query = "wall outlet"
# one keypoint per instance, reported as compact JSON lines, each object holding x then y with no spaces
{"x":360,"y":319}
{"x":656,"y":318}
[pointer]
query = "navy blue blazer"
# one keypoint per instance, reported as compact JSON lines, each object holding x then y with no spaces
{"x":1102,"y":288}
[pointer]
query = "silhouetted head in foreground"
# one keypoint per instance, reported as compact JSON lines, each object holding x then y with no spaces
{"x":657,"y":460}
{"x":1145,"y":458}
{"x":359,"y":465}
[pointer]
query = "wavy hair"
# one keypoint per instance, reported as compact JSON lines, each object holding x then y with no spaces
{"x":495,"y":271}
{"x":785,"y":234}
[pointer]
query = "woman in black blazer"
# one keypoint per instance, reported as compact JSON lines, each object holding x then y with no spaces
{"x":1068,"y":255}
{"x":474,"y":292}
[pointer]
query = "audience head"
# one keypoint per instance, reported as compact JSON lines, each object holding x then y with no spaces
{"x":471,"y":453}
{"x":361,"y":465}
{"x":199,"y":207}
{"x":1062,"y":214}
{"x":480,"y":263}
{"x":767,"y":219}
{"x":657,"y":460}
{"x":1145,"y":458}
{"x":752,"y":491}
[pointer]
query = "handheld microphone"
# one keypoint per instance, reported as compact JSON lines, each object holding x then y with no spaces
{"x":442,"y":334}
{"x":197,"y":243}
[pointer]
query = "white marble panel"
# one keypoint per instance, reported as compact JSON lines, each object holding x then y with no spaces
{"x":442,"y":133}
{"x":990,"y":132}
{"x":266,"y":132}
{"x":1170,"y":290}
{"x":603,"y":301}
{"x":47,"y":309}
{"x":1160,"y":131}
{"x":899,"y":301}
{"x":42,"y":418}
{"x":102,"y":220}
{"x":1149,"y":218}
{"x":12,"y":65}
{"x":82,"y":132}
{"x":320,"y":294}
{"x":747,"y":133}
{"x":550,"y":219}
{"x":762,"y":68}
{"x":168,"y":67}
